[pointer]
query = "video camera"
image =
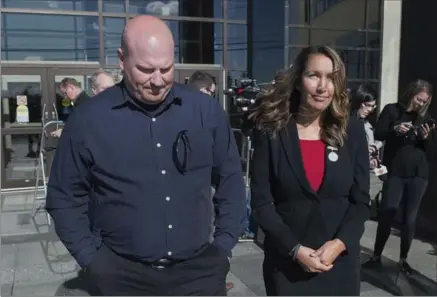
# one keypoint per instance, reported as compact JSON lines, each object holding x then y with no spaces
{"x":244,"y":93}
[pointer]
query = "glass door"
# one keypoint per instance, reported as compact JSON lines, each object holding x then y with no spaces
{"x":24,"y":93}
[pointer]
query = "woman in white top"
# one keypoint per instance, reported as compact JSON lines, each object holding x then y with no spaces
{"x":362,"y":104}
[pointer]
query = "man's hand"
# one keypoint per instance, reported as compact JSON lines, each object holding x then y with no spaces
{"x":56,"y":133}
{"x":310,"y":263}
{"x":328,"y":252}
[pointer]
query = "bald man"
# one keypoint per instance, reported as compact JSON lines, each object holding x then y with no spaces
{"x":146,"y":161}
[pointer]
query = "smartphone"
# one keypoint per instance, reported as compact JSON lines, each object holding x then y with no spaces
{"x":430,"y":122}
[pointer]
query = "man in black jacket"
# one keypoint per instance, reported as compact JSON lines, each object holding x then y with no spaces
{"x":71,"y":89}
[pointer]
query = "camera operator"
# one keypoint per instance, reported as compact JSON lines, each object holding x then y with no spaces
{"x":405,"y":127}
{"x":363,"y":103}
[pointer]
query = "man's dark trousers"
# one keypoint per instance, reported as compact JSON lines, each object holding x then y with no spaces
{"x":112,"y":274}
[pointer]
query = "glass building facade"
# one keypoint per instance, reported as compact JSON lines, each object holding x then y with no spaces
{"x":205,"y":31}
{"x":352,"y":27}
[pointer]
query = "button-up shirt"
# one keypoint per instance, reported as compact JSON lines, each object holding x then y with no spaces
{"x":151,"y":192}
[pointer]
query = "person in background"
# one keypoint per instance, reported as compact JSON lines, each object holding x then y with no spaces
{"x":70,"y":88}
{"x":144,"y":151}
{"x":101,"y":80}
{"x":362,"y":104}
{"x":405,"y":127}
{"x":205,"y":83}
{"x":310,"y":180}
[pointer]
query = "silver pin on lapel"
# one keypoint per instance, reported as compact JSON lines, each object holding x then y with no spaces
{"x":332,"y":156}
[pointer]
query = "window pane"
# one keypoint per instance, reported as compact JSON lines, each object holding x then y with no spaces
{"x":197,"y":42}
{"x":354,"y":63}
{"x":192,"y":8}
{"x":374,"y":14}
{"x":373,"y":64}
{"x":20,"y":154}
{"x":14,"y":86}
{"x":113,"y":27}
{"x":374,"y":40}
{"x":338,"y":38}
{"x":237,"y":9}
{"x":49,"y":37}
{"x":297,"y":36}
{"x":237,"y":47}
{"x":298,"y":12}
{"x":114,"y":6}
{"x":292,"y":54}
{"x":78,"y":5}
{"x":338,"y":14}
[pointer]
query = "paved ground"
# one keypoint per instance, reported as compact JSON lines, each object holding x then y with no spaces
{"x":35,"y":263}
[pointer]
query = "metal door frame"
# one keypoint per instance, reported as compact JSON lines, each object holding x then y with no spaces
{"x":47,"y":72}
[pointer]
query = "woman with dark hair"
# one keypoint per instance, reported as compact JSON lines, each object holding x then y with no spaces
{"x":310,"y":179}
{"x":362,"y":104}
{"x":405,"y":127}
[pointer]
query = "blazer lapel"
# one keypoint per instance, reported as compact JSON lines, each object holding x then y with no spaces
{"x":290,"y":143}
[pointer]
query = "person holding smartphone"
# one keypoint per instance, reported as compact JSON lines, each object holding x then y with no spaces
{"x":405,"y":127}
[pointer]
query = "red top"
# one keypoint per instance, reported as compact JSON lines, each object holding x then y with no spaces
{"x":313,"y":157}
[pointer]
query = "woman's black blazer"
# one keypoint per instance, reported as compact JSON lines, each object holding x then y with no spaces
{"x":289,"y":211}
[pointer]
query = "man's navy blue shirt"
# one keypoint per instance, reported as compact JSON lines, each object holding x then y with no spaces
{"x":121,"y":155}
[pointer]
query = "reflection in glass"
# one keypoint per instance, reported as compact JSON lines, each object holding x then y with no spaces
{"x":237,"y":47}
{"x":338,"y":14}
{"x":354,"y":61}
{"x":298,"y":12}
{"x":49,"y":37}
{"x":374,"y":64}
{"x":17,"y":85}
{"x":298,"y":36}
{"x":77,"y":5}
{"x":338,"y":38}
{"x":374,"y":40}
{"x":114,"y":6}
{"x":237,"y":9}
{"x":190,"y":8}
{"x":293,"y":52}
{"x":20,"y":153}
{"x":374,"y":14}
{"x":197,"y":42}
{"x":112,"y":30}
{"x":267,"y":40}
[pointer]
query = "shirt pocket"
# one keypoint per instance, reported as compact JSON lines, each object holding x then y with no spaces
{"x":200,"y":151}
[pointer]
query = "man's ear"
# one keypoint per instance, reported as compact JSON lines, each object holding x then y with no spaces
{"x":120,"y":58}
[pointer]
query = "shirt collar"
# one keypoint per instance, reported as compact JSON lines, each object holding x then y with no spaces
{"x":126,"y":98}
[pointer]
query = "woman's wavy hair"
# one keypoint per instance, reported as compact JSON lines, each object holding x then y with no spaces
{"x":414,"y":88}
{"x":362,"y":94}
{"x":275,"y":108}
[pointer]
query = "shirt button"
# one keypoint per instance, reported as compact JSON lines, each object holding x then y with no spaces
{"x":153,"y":120}
{"x":163,"y":172}
{"x":170,"y":226}
{"x":167,"y":198}
{"x":169,"y":253}
{"x":158,"y":145}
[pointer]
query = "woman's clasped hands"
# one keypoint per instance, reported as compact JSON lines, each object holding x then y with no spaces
{"x":321,"y":260}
